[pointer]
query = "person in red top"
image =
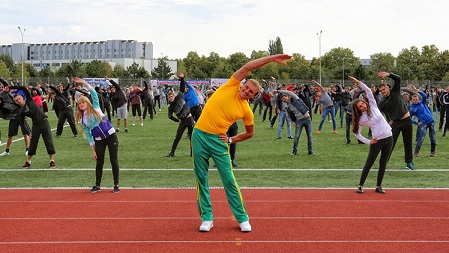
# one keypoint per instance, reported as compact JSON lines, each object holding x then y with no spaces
{"x":134,"y":97}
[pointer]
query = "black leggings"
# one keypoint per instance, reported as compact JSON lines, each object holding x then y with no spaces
{"x":384,"y":146}
{"x":100,"y":148}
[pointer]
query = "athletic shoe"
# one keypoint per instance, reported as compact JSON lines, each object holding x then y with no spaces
{"x":293,"y":153}
{"x":311,"y":153}
{"x":117,"y":130}
{"x":170,"y":155}
{"x":410,"y":166}
{"x":380,"y":190}
{"x":126,"y":130}
{"x":26,"y":165}
{"x":360,"y":189}
{"x":416,"y":154}
{"x":141,"y":124}
{"x":52,"y":164}
{"x":133,"y":124}
{"x":318,"y":131}
{"x":57,"y":135}
{"x":290,"y":137}
{"x":335,"y":132}
{"x":245,"y":226}
{"x":206,"y":226}
{"x":116,"y":189}
{"x":432,"y":154}
{"x":234,"y":164}
{"x":95,"y":189}
{"x":4,"y":153}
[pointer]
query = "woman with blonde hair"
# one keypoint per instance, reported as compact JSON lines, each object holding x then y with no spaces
{"x":366,"y":113}
{"x":100,"y":133}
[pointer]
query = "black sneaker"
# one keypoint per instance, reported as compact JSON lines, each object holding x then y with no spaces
{"x":311,"y":153}
{"x":290,"y":137}
{"x":52,"y":164}
{"x":234,"y":164}
{"x":26,"y":165}
{"x":117,"y":130}
{"x":95,"y":189}
{"x":116,"y":189}
{"x":126,"y":130}
{"x":170,"y":154}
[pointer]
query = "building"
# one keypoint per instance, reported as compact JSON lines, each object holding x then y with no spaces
{"x":56,"y":55}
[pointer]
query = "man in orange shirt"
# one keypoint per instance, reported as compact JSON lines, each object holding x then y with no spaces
{"x":227,"y":105}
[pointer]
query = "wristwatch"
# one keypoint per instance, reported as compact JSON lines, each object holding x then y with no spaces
{"x":229,"y":140}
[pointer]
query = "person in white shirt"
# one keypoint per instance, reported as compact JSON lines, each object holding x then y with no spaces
{"x":366,"y":113}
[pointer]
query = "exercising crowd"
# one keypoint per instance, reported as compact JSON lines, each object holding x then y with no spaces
{"x":210,"y":120}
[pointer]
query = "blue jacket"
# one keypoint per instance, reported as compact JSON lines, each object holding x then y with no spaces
{"x":421,"y":111}
{"x":190,"y":96}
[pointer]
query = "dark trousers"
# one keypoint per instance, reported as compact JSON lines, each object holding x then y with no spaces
{"x":36,"y":131}
{"x":196,"y":112}
{"x":148,"y":107}
{"x":405,"y":126}
{"x":66,"y":114}
{"x":100,"y":148}
{"x":384,"y":146}
{"x":185,"y":123}
{"x":446,"y":115}
{"x":348,"y":127}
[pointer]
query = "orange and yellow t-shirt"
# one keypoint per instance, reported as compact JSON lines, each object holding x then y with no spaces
{"x":224,"y":108}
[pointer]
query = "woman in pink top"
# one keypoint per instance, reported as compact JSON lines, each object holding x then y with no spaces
{"x":366,"y":113}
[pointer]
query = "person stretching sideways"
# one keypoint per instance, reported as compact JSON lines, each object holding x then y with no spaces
{"x":366,"y":113}
{"x":228,"y":104}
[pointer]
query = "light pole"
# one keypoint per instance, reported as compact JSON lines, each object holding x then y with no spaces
{"x":319,"y":40}
{"x":22,"y":33}
{"x":162,"y":65}
{"x":343,"y":75}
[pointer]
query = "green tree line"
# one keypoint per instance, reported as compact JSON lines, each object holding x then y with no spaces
{"x":412,"y":64}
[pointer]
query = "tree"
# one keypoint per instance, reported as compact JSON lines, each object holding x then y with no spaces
{"x":119,"y":71}
{"x":8,"y":61}
{"x":46,"y":72}
{"x":333,"y":62}
{"x":407,"y":63}
{"x":162,"y":70}
{"x":237,"y":60}
{"x":298,"y":67}
{"x":275,"y":47}
{"x":98,"y":68}
{"x":4,"y":71}
{"x":31,"y":70}
{"x":428,"y":63}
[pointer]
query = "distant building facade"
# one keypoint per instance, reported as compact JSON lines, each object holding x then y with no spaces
{"x":56,"y":55}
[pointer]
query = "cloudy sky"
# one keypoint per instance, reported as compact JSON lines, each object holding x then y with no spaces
{"x":176,"y":27}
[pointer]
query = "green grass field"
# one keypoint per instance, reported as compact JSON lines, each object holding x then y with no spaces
{"x":263,"y":161}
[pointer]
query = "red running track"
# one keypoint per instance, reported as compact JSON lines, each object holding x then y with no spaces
{"x":166,"y":220}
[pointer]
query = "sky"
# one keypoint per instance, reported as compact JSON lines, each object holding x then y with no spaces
{"x":177,"y":27}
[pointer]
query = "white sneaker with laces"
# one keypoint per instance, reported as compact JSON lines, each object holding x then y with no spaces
{"x":206,"y":226}
{"x":4,"y":153}
{"x":245,"y":226}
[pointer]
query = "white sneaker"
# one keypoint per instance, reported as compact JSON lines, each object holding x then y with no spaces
{"x":4,"y":153}
{"x":206,"y":226}
{"x":133,"y":124}
{"x":141,"y":124}
{"x":245,"y":226}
